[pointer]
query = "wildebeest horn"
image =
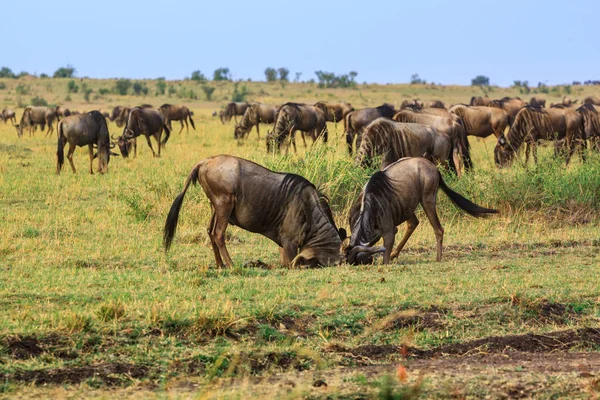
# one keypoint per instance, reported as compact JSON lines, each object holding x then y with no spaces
{"x":363,"y":249}
{"x":112,"y":136}
{"x":112,"y":145}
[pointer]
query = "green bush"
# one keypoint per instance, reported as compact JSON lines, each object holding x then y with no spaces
{"x":72,"y":87}
{"x":122,"y":86}
{"x":39,"y":101}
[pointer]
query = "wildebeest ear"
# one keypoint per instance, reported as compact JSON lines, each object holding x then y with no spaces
{"x":343,"y":233}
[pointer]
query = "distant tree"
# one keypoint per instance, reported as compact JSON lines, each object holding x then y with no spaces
{"x":271,"y":74}
{"x":331,"y":80}
{"x":72,"y":87}
{"x":208,"y":91}
{"x":283,"y":74}
{"x":161,"y":86}
{"x":39,"y":101}
{"x":298,"y":75}
{"x":416,"y":80}
{"x":222,"y":74}
{"x":44,"y":76}
{"x":198,"y":76}
{"x":353,"y":75}
{"x":6,"y":72}
{"x":22,"y":74}
{"x":140,"y":88}
{"x":64,"y":72}
{"x":122,"y":86}
{"x":480,"y":80}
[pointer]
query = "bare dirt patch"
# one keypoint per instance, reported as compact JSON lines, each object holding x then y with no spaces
{"x":107,"y":374}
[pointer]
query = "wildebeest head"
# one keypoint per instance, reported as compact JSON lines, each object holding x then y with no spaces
{"x":503,"y":152}
{"x":239,"y":131}
{"x":124,"y":145}
{"x":271,"y":145}
{"x":19,"y":129}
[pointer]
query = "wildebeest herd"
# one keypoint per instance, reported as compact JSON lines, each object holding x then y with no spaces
{"x":409,"y":143}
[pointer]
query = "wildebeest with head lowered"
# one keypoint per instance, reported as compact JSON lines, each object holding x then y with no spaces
{"x":480,"y":101}
{"x":286,"y":208}
{"x":34,"y":115}
{"x":177,"y":113}
{"x":293,"y":117}
{"x":537,"y":102}
{"x":481,"y":121}
{"x":80,"y":130}
{"x":255,"y":114}
{"x":62,"y":111}
{"x":233,"y":109}
{"x":334,"y":112}
{"x":8,"y":114}
{"x":147,"y":122}
{"x":356,"y":121}
{"x":393,"y":140}
{"x":390,"y":198}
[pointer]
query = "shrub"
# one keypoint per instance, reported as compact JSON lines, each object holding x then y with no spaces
{"x":198,"y":76}
{"x":104,"y":91}
{"x":2,"y":85}
{"x":161,"y":86}
{"x":39,"y":101}
{"x":64,"y":72}
{"x":140,"y":88}
{"x":122,"y":86}
{"x":239,"y":94}
{"x":208,"y":91}
{"x":72,"y":87}
{"x":6,"y":72}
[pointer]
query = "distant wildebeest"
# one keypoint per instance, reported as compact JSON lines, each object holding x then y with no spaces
{"x":567,"y":101}
{"x":233,"y":109}
{"x":177,"y":113}
{"x":592,"y":100}
{"x":413,"y":102}
{"x":481,"y":121}
{"x":8,"y":114}
{"x":510,"y":105}
{"x":62,"y":111}
{"x":450,"y":125}
{"x":357,"y":120}
{"x":80,"y":130}
{"x":285,"y":208}
{"x":115,"y":114}
{"x":537,"y":102}
{"x":534,"y":124}
{"x":390,"y":198}
{"x":144,"y":121}
{"x":34,"y":115}
{"x":255,"y":114}
{"x":480,"y":101}
{"x":293,"y":117}
{"x":391,"y":141}
{"x":334,"y":112}
{"x":436,"y":104}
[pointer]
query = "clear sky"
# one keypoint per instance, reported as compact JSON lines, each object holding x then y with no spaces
{"x":447,"y":42}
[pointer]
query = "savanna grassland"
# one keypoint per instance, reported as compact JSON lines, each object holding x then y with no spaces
{"x":91,"y":306}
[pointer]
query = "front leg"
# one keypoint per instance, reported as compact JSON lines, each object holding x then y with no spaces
{"x":150,"y":145}
{"x":411,"y":225}
{"x":91,"y":152}
{"x":388,"y":242}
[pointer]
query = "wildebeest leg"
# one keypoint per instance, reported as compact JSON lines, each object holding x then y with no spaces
{"x":349,"y":141}
{"x":70,"y":156}
{"x":181,"y":130}
{"x":293,"y":140}
{"x":303,"y":138}
{"x":211,"y":232}
{"x":91,"y":152}
{"x":152,"y":148}
{"x":291,"y":251}
{"x":222,"y":214}
{"x":388,"y":242}
{"x":534,"y":150}
{"x":429,"y":207}
{"x":258,"y":130}
{"x":50,"y":129}
{"x":527,"y":151}
{"x":282,"y":257}
{"x":411,"y":225}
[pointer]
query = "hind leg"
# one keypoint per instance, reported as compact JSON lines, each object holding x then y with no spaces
{"x":91,"y":153}
{"x":70,"y":156}
{"x":222,"y":214}
{"x":211,"y":230}
{"x":181,"y":130}
{"x":411,"y":225}
{"x":152,"y":148}
{"x":429,"y":206}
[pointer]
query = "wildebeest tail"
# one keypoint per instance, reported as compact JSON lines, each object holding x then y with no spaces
{"x":173,"y":216}
{"x":167,"y":134}
{"x":191,"y":120}
{"x":464,"y":203}
{"x":60,"y":150}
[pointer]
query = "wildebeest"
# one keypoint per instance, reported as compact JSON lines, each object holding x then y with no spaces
{"x":80,"y":130}
{"x":233,"y":109}
{"x":144,"y":121}
{"x":480,"y":101}
{"x":510,"y":105}
{"x":591,"y":124}
{"x":481,"y":121}
{"x":34,"y":115}
{"x":177,"y":113}
{"x":393,"y":140}
{"x":413,"y":102}
{"x":357,"y":120}
{"x":255,"y":114}
{"x":537,"y":102}
{"x":592,"y":100}
{"x":390,"y":198}
{"x":121,"y":118}
{"x":62,"y":111}
{"x":334,"y":112}
{"x":436,"y":104}
{"x":534,"y":124}
{"x":285,"y":208}
{"x":449,"y":125}
{"x":8,"y":114}
{"x":114,"y":115}
{"x":293,"y":117}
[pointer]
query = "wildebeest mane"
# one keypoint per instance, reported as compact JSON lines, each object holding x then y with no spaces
{"x":529,"y":119}
{"x":591,"y":120}
{"x":386,"y":110}
{"x":375,"y":204}
{"x":560,"y":106}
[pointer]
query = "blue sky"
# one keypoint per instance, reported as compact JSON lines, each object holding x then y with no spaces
{"x":448,"y":42}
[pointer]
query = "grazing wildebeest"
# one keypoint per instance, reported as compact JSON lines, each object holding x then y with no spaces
{"x":591,"y":100}
{"x":591,"y":124}
{"x":255,"y":114}
{"x":409,"y":103}
{"x":537,"y":102}
{"x":449,"y":125}
{"x":390,"y":198}
{"x":436,"y":104}
{"x":480,"y":101}
{"x":510,"y":105}
{"x":286,"y":208}
{"x":293,"y":117}
{"x":481,"y":121}
{"x":62,"y":111}
{"x":334,"y":112}
{"x":357,"y":120}
{"x":121,"y":117}
{"x":32,"y":116}
{"x":80,"y":130}
{"x":8,"y":114}
{"x":177,"y":113}
{"x":233,"y":109}
{"x":534,"y":124}
{"x":116,"y":112}
{"x":147,"y":122}
{"x":393,"y":140}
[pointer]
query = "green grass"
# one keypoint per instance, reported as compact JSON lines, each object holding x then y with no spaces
{"x":86,"y":284}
